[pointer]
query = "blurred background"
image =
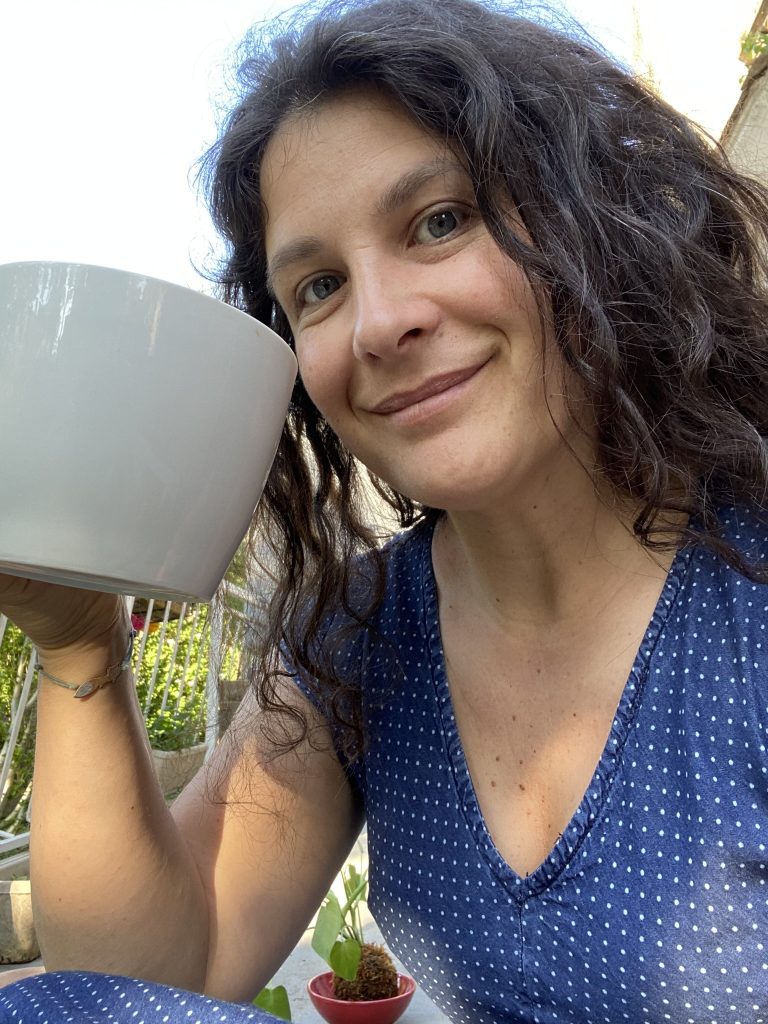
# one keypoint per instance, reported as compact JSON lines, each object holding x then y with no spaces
{"x":107,"y":106}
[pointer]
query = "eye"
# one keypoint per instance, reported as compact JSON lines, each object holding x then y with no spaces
{"x":439,"y":224}
{"x":317,"y":290}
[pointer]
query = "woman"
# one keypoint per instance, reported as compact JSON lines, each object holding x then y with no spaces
{"x":529,"y":298}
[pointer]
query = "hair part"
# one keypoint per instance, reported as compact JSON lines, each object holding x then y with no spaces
{"x":646,"y":252}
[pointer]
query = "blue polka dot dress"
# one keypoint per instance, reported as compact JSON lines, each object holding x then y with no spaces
{"x":653,"y":905}
{"x":84,"y":998}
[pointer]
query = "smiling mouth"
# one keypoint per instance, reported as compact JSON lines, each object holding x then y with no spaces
{"x":403,"y":400}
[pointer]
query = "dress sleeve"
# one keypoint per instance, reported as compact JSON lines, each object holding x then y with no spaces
{"x":307,"y":686}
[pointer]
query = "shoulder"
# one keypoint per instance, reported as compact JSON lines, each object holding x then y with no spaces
{"x":729,"y":572}
{"x":384,"y":588}
{"x":406,"y":565}
{"x":387,"y":612}
{"x":734,"y":544}
{"x":385,"y":584}
{"x":746,"y":527}
{"x":405,"y":554}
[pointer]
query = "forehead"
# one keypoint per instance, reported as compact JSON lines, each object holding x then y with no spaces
{"x":341,"y":125}
{"x":348,"y":148}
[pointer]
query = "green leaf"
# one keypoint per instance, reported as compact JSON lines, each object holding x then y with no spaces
{"x":356,"y":895}
{"x":345,"y":958}
{"x":274,"y":1001}
{"x":327,"y":927}
{"x":351,"y":879}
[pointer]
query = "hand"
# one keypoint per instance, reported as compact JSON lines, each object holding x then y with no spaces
{"x":58,"y":618}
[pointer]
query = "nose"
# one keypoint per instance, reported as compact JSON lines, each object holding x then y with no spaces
{"x":391,"y":311}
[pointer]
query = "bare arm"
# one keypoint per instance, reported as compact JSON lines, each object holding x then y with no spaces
{"x":114,"y":886}
{"x":268,"y":854}
{"x":210,"y":896}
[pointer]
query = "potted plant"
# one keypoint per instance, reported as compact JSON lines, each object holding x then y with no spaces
{"x":18,"y":942}
{"x":178,"y":748}
{"x":363,"y":983}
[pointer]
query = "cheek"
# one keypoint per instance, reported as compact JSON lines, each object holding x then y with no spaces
{"x":495,"y":290}
{"x":321,"y":376}
{"x":310,"y":371}
{"x":514,"y":295}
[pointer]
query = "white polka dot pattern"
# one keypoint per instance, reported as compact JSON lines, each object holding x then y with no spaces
{"x":84,"y":998}
{"x":653,"y":906}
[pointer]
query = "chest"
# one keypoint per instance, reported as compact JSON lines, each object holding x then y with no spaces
{"x":654,"y":904}
{"x":656,"y":897}
{"x":533,"y":719}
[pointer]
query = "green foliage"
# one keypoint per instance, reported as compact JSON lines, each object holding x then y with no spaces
{"x":237,"y":571}
{"x":173,"y":698}
{"x":327,"y":927}
{"x":274,"y":1001}
{"x":15,"y":652}
{"x":345,"y":958}
{"x":338,"y":935}
{"x":752,"y":45}
{"x":176,"y":730}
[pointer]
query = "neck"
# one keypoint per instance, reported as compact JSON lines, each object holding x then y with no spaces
{"x":561,"y":551}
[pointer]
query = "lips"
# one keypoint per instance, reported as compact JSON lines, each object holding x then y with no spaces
{"x":434,"y":386}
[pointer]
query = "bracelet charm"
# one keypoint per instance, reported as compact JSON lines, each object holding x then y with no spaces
{"x":90,"y":686}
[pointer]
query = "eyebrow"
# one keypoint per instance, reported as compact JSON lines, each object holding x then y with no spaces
{"x":400,"y":191}
{"x":294,"y":252}
{"x":394,"y":196}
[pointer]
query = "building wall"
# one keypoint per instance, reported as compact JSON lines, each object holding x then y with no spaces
{"x":746,"y":137}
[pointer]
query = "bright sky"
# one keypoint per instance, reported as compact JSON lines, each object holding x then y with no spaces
{"x":107,"y":105}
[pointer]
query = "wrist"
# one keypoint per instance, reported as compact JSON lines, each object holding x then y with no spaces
{"x":99,"y":659}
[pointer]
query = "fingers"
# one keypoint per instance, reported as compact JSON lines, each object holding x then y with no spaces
{"x":56,"y":617}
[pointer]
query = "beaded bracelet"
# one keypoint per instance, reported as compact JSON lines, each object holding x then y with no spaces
{"x":92,"y":685}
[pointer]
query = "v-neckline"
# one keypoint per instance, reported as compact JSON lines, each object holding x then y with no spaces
{"x":591,"y":804}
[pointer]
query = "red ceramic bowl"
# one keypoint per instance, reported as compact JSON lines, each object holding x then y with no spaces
{"x":371,"y":1011}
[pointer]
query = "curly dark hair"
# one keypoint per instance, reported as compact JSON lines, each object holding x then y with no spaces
{"x":646,"y":254}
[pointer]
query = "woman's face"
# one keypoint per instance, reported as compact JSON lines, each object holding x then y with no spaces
{"x":417,"y":338}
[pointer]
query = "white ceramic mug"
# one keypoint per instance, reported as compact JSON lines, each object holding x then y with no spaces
{"x":138,"y":423}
